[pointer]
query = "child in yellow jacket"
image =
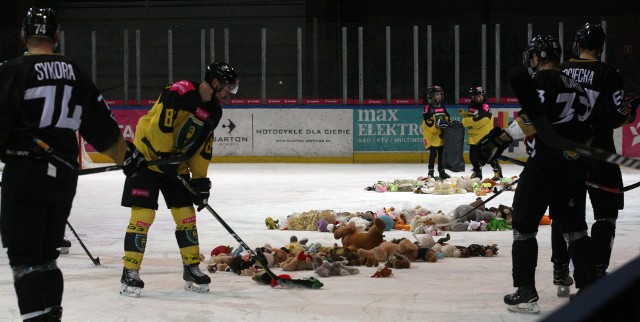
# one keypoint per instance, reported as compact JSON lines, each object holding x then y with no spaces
{"x":479,"y":120}
{"x":435,"y":118}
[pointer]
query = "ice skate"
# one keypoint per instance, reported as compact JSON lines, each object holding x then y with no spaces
{"x":431,"y":173}
{"x":64,"y":246}
{"x":132,"y":285}
{"x":562,"y":279}
{"x":524,"y":300}
{"x":497,"y":175}
{"x":600,"y":272}
{"x":195,"y":280}
{"x":443,"y":175}
{"x":476,"y":174}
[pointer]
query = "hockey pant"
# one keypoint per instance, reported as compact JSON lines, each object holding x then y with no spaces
{"x":136,"y":236}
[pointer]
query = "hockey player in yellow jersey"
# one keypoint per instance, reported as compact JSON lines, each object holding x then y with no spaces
{"x":179,"y":126}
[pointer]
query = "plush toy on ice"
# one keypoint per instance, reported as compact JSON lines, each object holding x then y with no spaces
{"x":407,"y":250}
{"x":325,"y":268}
{"x":350,"y":235}
{"x":272,"y":223}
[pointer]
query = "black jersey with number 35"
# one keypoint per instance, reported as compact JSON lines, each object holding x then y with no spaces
{"x":48,"y":97}
{"x":565,"y":104}
{"x":604,"y":88}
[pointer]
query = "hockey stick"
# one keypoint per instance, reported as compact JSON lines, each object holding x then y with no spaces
{"x":118,"y":167}
{"x":490,"y":198}
{"x":588,"y":183}
{"x":312,"y":282}
{"x":177,"y":159}
{"x":96,"y":261}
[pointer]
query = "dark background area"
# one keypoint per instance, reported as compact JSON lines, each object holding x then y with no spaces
{"x":244,"y":19}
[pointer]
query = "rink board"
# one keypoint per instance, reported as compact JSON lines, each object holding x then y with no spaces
{"x":335,"y":133}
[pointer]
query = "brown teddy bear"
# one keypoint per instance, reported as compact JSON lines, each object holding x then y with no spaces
{"x":367,"y":240}
{"x":367,"y":258}
{"x":218,"y":263}
{"x":428,"y":255}
{"x":404,"y":247}
{"x":505,"y":212}
{"x":279,"y":256}
{"x":398,"y":261}
{"x":302,"y":261}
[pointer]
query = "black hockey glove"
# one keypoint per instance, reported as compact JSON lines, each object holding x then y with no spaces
{"x":442,"y":123}
{"x":201,"y":187}
{"x":134,"y":161}
{"x":493,"y":144}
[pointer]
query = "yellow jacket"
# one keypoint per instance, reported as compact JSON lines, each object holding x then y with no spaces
{"x":479,"y":120}
{"x":431,"y":132}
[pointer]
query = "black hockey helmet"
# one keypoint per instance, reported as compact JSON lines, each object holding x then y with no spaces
{"x":224,"y":73}
{"x":546,"y":47}
{"x":433,"y":89}
{"x":474,"y":91}
{"x":40,"y":22}
{"x":590,"y":36}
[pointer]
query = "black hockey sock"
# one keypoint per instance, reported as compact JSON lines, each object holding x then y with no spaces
{"x":581,"y":252}
{"x":603,"y":233}
{"x":30,"y":292}
{"x":54,"y":287}
{"x":559,"y":251}
{"x":433,"y":153}
{"x":524,"y":256}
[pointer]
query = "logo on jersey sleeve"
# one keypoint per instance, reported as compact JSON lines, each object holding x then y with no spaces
{"x":201,"y":113}
{"x":182,"y":87}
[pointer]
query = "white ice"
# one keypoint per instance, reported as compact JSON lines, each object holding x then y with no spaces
{"x":453,"y":289}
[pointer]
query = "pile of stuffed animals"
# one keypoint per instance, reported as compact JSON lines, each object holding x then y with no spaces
{"x":453,"y":185}
{"x":360,"y":247}
{"x":474,"y":216}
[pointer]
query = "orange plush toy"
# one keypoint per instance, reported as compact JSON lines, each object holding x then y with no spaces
{"x":367,"y":240}
{"x":546,"y":220}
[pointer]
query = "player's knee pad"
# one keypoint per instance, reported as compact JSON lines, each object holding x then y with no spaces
{"x":22,"y":270}
{"x":574,"y":236}
{"x":606,"y":221}
{"x":141,"y":219}
{"x":519,"y":236}
{"x":185,"y":217}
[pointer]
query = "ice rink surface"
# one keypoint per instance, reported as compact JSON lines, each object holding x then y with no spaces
{"x":454,"y":289}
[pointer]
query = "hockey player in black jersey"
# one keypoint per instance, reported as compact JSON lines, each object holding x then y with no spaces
{"x":605,"y":91}
{"x":180,"y":123}
{"x":44,"y":100}
{"x":562,"y":101}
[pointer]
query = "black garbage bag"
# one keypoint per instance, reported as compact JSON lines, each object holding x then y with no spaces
{"x":453,"y":147}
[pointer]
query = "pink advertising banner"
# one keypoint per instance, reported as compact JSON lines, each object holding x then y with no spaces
{"x":127,"y":120}
{"x":631,"y":139}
